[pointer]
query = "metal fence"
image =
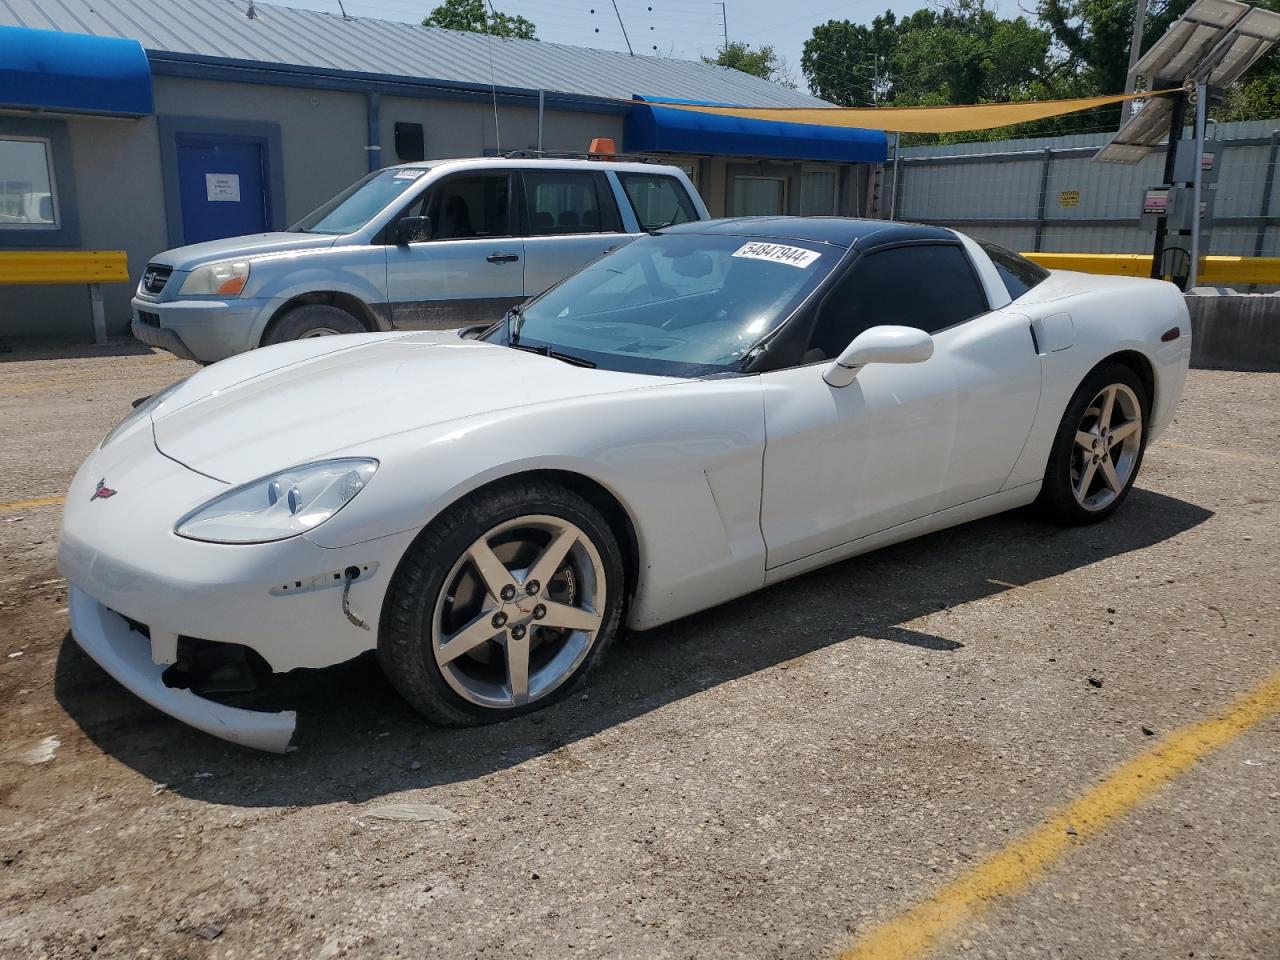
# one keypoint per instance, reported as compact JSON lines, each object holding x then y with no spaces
{"x":1048,"y":194}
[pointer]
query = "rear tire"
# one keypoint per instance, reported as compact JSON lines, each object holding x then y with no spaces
{"x":1098,"y":449}
{"x":311,"y":320}
{"x":502,"y":605}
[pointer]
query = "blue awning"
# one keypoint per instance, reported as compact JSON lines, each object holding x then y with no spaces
{"x":73,"y":72}
{"x":652,"y":129}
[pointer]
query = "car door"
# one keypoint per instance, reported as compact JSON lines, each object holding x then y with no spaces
{"x":469,"y":267}
{"x":571,"y":218}
{"x":903,"y":440}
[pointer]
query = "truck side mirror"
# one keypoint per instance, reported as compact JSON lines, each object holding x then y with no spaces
{"x":412,"y":230}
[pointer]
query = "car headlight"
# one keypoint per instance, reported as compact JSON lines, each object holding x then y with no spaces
{"x":216,"y":279}
{"x":279,"y":506}
{"x":143,"y":409}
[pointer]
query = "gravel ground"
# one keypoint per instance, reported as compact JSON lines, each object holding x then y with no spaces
{"x":767,"y":779}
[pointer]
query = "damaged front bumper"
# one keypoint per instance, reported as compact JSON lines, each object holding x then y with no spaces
{"x":127,"y":655}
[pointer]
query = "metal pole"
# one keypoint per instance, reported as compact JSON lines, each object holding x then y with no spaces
{"x":1162,"y":224}
{"x":373,"y":117}
{"x":1135,"y":51}
{"x":1202,"y":97}
{"x":724,"y":22}
{"x":897,"y":155}
{"x":1044,"y":195}
{"x":1259,"y":242}
{"x":542,"y":107}
{"x":624,"y":28}
{"x":99,"y":315}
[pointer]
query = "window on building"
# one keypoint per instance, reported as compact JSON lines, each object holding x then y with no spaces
{"x":658,"y":201}
{"x":562,"y":202}
{"x":884,"y":288}
{"x":470,"y":207}
{"x":758,"y":197}
{"x":28,"y":199}
{"x":1018,"y":273}
{"x":818,"y":193}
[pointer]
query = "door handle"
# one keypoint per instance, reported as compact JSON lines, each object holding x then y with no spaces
{"x":502,"y":257}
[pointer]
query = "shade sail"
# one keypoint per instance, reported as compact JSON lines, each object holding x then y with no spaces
{"x":655,"y":125}
{"x":954,"y":119}
{"x":72,"y":72}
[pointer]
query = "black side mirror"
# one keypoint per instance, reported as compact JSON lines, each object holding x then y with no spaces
{"x":413,"y":229}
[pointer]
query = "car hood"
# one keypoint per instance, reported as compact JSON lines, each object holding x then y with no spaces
{"x":190,"y":257}
{"x":274,"y":408}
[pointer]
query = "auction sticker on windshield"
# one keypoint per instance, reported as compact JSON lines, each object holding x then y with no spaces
{"x":778,"y":253}
{"x":408,"y":173}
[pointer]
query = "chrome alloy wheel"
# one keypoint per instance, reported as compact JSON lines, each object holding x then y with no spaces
{"x":319,"y":332}
{"x":519,"y":611}
{"x":1108,"y":441}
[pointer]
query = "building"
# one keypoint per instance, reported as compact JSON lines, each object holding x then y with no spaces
{"x":141,"y":125}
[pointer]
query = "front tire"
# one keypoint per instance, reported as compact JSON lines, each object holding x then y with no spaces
{"x":1098,"y":448}
{"x":311,"y":320}
{"x":503,"y":604}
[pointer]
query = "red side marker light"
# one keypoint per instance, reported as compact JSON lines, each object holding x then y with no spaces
{"x":1173,"y":333}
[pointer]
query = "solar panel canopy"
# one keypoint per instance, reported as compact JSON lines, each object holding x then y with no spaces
{"x":1214,"y":42}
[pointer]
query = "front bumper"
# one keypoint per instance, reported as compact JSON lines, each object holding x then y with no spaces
{"x":282,"y":600}
{"x":205,"y":330}
{"x":162,"y":338}
{"x":127,"y":656}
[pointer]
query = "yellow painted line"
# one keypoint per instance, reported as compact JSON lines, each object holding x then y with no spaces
{"x":1219,"y":452}
{"x":927,"y":925}
{"x":30,"y":504}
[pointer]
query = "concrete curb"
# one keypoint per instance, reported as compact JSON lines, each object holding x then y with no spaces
{"x":1234,"y":331}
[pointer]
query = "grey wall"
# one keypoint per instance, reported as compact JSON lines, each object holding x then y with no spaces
{"x":116,"y":167}
{"x":323,"y":133}
{"x":969,"y":185}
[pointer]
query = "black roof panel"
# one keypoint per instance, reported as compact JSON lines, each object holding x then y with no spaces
{"x":840,"y":231}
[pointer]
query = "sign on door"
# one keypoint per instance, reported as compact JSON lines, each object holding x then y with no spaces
{"x":222,"y":187}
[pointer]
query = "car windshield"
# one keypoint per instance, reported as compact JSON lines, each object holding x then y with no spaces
{"x":353,"y":207}
{"x":683,"y":304}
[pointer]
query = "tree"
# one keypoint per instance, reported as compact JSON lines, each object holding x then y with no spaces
{"x":1096,"y":33}
{"x":964,"y":53}
{"x":475,"y":16}
{"x":760,"y":62}
{"x":846,"y":63}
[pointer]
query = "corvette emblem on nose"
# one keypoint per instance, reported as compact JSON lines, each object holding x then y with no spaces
{"x":102,"y":492}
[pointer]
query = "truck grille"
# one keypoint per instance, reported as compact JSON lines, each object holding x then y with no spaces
{"x":155,"y":277}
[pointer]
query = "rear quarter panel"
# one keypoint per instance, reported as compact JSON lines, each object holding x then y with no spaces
{"x":1108,"y":315}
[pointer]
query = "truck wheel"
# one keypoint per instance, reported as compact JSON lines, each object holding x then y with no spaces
{"x":311,"y":320}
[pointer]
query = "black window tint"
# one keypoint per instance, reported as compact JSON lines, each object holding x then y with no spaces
{"x":562,"y":202}
{"x":1018,"y":273}
{"x":929,"y":287}
{"x":658,"y":201}
{"x":470,"y":206}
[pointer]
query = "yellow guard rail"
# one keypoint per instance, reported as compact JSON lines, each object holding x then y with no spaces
{"x":1227,"y":271}
{"x":92,"y":267}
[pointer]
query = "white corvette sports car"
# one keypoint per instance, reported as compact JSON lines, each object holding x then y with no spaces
{"x":700,"y":413}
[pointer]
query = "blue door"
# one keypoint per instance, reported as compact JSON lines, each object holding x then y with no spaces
{"x":223,"y":183}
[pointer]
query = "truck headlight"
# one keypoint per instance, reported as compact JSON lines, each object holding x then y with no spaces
{"x":225,"y":279}
{"x":279,"y":506}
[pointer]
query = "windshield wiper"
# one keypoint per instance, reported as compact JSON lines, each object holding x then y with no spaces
{"x":653,"y":231}
{"x":543,"y":350}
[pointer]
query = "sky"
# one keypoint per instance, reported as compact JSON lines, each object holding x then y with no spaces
{"x":685,"y":29}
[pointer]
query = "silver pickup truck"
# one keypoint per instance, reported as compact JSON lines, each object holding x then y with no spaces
{"x":439,"y":244}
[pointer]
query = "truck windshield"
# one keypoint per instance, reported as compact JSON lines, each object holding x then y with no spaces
{"x":680,"y":304}
{"x":353,"y":207}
